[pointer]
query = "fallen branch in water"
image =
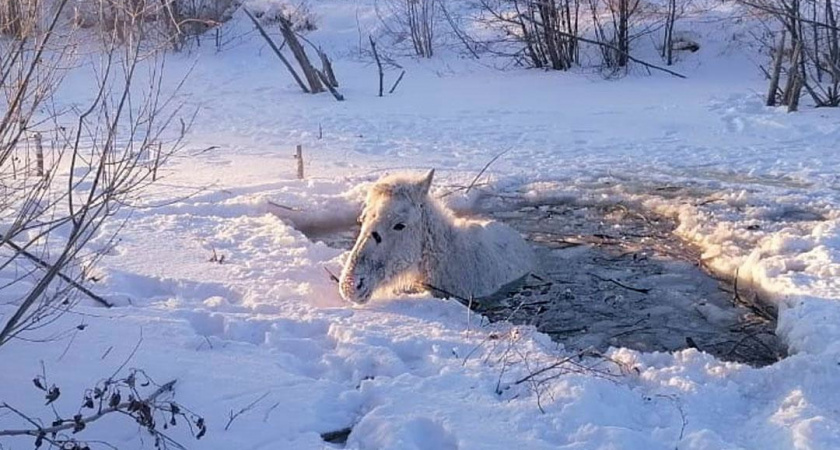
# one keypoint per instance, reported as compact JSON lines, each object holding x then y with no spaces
{"x":618,"y":283}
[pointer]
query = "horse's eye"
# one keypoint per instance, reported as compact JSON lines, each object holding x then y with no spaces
{"x":399,"y":226}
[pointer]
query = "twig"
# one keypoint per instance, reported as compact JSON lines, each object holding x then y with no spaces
{"x":270,"y":410}
{"x":565,"y":330}
{"x":547,"y":368}
{"x":210,"y":148}
{"x":397,"y":83}
{"x":332,"y":275}
{"x":287,"y":208}
{"x":469,"y":303}
{"x":248,"y":407}
{"x":483,"y":169}
{"x":166,"y":387}
{"x":130,"y":355}
{"x":48,"y":266}
{"x":618,"y":283}
{"x":69,"y":343}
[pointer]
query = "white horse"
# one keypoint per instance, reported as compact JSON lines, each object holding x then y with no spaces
{"x":409,"y":240}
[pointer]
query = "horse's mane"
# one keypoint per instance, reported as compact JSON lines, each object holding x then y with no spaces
{"x":397,"y":184}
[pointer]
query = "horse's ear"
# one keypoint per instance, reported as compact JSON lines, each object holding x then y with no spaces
{"x":426,"y":184}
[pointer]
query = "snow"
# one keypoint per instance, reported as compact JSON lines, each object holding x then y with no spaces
{"x":754,"y":187}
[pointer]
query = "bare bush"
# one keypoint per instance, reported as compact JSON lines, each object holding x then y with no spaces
{"x":549,"y":33}
{"x":192,"y":18}
{"x":619,"y":23}
{"x":19,"y":18}
{"x":547,"y":30}
{"x":412,"y":21}
{"x":95,"y":162}
{"x":174,"y":22}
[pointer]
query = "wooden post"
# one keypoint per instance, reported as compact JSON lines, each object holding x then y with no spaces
{"x":39,"y":155}
{"x":299,"y":158}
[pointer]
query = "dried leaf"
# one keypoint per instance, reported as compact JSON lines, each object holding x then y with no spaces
{"x":114,"y":401}
{"x":53,"y":394}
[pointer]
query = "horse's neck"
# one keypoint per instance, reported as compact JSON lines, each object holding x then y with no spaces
{"x":441,"y":238}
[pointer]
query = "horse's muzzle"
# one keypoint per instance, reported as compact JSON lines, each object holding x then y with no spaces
{"x":354,"y":288}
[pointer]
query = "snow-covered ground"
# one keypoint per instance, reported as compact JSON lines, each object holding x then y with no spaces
{"x":755,"y":187}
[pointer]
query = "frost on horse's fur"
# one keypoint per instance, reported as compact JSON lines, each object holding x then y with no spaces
{"x":410,"y":241}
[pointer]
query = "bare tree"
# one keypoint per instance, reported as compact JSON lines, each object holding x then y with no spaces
{"x":547,"y":34}
{"x":668,"y":40}
{"x":624,"y":24}
{"x":97,"y":162}
{"x":17,"y":17}
{"x":299,"y":52}
{"x":810,"y":58}
{"x":548,"y":30}
{"x":414,"y":21}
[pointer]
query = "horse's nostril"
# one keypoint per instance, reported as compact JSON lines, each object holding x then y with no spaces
{"x":360,"y":283}
{"x":376,"y":237}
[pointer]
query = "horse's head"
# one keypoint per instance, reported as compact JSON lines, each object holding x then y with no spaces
{"x":390,"y":244}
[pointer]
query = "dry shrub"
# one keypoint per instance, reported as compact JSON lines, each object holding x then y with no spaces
{"x":19,"y":18}
{"x":170,"y":21}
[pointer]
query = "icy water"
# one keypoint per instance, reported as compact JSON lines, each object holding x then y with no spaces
{"x":609,"y":275}
{"x":613,"y":276}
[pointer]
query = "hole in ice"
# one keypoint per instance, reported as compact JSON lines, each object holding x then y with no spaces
{"x":614,"y":276}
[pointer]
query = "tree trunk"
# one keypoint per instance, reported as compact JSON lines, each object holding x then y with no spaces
{"x":777,"y":71}
{"x":297,"y":49}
